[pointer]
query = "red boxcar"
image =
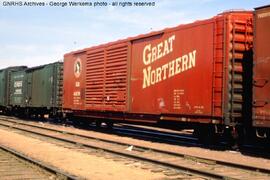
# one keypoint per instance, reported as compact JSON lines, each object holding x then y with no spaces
{"x":261,"y":84}
{"x":190,"y":73}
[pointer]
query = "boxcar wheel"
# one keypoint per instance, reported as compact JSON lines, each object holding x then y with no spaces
{"x":206,"y":135}
{"x":98,"y":123}
{"x":268,"y":138}
{"x":109,"y":124}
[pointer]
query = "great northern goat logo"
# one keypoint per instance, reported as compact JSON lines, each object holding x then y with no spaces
{"x":77,"y":68}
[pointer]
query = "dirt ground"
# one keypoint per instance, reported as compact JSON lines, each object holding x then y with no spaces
{"x":229,"y":156}
{"x":80,"y":164}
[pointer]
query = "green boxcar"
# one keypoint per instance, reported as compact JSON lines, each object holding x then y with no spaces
{"x":6,"y":85}
{"x":44,"y":86}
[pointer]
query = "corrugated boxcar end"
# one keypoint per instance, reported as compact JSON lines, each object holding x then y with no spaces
{"x":261,"y":69}
{"x":237,"y":62}
{"x":58,"y":85}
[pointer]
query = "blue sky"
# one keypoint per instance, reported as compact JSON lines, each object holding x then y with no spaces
{"x":38,"y":35}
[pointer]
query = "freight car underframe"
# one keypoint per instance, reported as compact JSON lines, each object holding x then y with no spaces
{"x":36,"y":112}
{"x":206,"y":128}
{"x":3,"y":110}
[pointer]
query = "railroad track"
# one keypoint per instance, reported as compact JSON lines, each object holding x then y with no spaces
{"x":14,"y":165}
{"x":191,"y":165}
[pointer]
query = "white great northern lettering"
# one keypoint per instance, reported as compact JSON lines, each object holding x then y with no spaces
{"x":168,"y":70}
